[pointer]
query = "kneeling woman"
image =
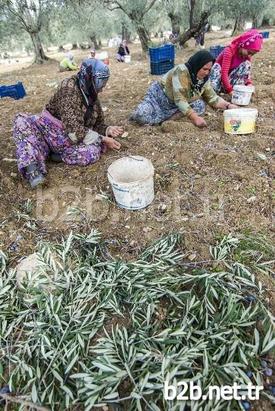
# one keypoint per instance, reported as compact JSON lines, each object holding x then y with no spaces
{"x":233,"y":65}
{"x":183,"y":90}
{"x":70,"y":129}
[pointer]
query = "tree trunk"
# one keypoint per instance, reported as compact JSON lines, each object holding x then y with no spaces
{"x":94,"y":41}
{"x":265,"y":21}
{"x":125,"y":33}
{"x":238,"y":26}
{"x":175,"y":23}
{"x":192,"y":4}
{"x":40,"y":56}
{"x":123,"y":30}
{"x":195,"y":30}
{"x":257,"y":21}
{"x":143,"y":36}
{"x":254,"y":22}
{"x":128,"y":36}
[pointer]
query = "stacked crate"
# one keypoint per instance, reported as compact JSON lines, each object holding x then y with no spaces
{"x":162,"y":59}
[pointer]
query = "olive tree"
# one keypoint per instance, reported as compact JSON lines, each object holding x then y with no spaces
{"x":176,"y":11}
{"x":136,"y":10}
{"x":31,"y":16}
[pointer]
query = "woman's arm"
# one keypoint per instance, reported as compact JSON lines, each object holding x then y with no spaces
{"x":225,"y":68}
{"x":211,"y":98}
{"x":72,"y":65}
{"x":224,"y":105}
{"x":181,"y":84}
{"x":99,"y":125}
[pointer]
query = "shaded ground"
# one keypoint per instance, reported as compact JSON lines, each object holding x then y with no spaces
{"x":207,"y":183}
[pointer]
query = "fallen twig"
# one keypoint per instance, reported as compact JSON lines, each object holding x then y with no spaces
{"x":18,"y":400}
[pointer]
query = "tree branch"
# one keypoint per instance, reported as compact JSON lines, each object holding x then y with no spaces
{"x":18,"y":400}
{"x":120,"y":6}
{"x":20,"y":18}
{"x":149,"y":6}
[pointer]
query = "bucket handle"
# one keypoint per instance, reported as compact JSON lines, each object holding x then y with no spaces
{"x":137,"y":159}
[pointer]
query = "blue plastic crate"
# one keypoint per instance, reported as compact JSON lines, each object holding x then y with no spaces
{"x":163,"y":53}
{"x":216,"y":50}
{"x":265,"y":34}
{"x":161,"y":67}
{"x":15,"y":91}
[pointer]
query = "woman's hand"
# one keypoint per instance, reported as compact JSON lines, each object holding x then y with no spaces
{"x":231,"y":106}
{"x":114,"y":131}
{"x":197,"y":120}
{"x":111,"y":143}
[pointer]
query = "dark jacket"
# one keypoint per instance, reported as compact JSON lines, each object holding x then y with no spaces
{"x":123,"y":51}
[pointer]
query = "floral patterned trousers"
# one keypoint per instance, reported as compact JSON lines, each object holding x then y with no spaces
{"x":37,"y":136}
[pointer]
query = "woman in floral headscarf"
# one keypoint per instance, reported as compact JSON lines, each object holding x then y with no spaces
{"x":70,"y":129}
{"x":233,"y":65}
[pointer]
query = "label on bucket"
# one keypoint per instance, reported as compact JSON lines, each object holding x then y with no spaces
{"x":239,"y":126}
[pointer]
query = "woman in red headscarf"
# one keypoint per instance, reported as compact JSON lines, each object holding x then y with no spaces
{"x":233,"y":65}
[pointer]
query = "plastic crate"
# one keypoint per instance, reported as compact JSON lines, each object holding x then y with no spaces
{"x":15,"y":91}
{"x":163,"y":53}
{"x":265,"y":34}
{"x":162,"y":67}
{"x":216,"y":50}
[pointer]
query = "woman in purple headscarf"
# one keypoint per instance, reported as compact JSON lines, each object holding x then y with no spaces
{"x":70,"y":129}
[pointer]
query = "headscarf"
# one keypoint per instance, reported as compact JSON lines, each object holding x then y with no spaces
{"x":70,"y":56}
{"x":195,"y":63}
{"x":92,"y":76}
{"x":250,"y":40}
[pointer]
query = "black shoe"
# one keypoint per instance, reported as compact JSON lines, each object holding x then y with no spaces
{"x":55,"y":157}
{"x":34,"y":176}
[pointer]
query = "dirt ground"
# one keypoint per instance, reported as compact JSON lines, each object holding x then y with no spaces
{"x":207,"y":183}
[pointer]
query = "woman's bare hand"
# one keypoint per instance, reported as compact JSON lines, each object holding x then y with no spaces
{"x":111,"y":143}
{"x":114,"y":131}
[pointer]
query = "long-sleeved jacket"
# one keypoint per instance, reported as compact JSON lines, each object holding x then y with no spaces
{"x":68,"y":64}
{"x":228,"y":60}
{"x":177,"y":86}
{"x":67,"y":106}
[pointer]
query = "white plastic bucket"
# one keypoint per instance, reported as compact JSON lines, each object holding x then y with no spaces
{"x":240,"y":120}
{"x":132,"y":180}
{"x":127,"y":59}
{"x":242,"y":95}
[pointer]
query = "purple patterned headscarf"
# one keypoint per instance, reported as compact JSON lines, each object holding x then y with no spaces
{"x":92,"y":77}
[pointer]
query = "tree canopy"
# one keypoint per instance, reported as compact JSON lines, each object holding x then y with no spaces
{"x":55,"y":22}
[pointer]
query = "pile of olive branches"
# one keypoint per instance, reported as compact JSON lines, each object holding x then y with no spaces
{"x":91,"y":330}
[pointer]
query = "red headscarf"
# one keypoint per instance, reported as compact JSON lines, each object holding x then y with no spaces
{"x":250,"y":40}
